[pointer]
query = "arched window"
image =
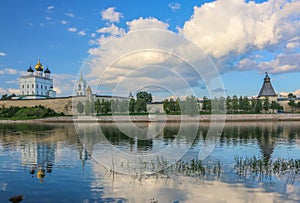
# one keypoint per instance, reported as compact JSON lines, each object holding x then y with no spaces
{"x":79,"y":87}
{"x":32,"y":85}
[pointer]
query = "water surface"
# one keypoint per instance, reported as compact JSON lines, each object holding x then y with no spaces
{"x":56,"y":163}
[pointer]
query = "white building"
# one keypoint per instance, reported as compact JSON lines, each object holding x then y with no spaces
{"x":37,"y":83}
{"x":80,"y":86}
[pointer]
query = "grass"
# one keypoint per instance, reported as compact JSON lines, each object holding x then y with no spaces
{"x":161,"y":167}
{"x":265,"y":170}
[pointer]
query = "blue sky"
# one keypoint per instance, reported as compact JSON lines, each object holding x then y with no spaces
{"x":244,"y":39}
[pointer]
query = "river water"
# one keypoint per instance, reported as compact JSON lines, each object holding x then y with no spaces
{"x":121,"y":163}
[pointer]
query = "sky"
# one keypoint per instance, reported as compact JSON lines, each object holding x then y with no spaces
{"x":133,"y":44}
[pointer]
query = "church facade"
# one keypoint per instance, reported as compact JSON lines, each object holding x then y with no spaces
{"x":37,"y":83}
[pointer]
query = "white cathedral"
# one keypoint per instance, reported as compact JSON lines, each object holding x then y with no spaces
{"x":37,"y":84}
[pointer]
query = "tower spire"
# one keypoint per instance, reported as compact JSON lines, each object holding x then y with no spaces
{"x":267,"y":88}
{"x":81,"y":78}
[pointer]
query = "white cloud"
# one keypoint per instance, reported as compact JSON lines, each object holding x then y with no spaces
{"x":50,"y":8}
{"x":12,"y":82}
{"x":112,"y":30}
{"x":2,"y":54}
{"x":283,"y":63}
{"x":285,"y":94}
{"x":111,"y":15}
{"x":64,"y":22}
{"x":63,"y":84}
{"x":93,"y":35}
{"x":9,"y":71}
{"x":146,"y":23}
{"x":69,"y":14}
{"x":148,"y":54}
{"x":221,"y":28}
{"x":3,"y":91}
{"x":13,"y":91}
{"x":72,"y":29}
{"x":48,"y":18}
{"x":175,"y":6}
{"x":82,"y":33}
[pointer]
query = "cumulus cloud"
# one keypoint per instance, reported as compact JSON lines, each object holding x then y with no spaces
{"x":111,"y":15}
{"x":220,"y":27}
{"x":63,"y":84}
{"x":146,"y":23}
{"x":285,"y":94}
{"x":147,"y":55}
{"x":13,"y":91}
{"x":112,"y":30}
{"x":72,"y":29}
{"x":2,"y":54}
{"x":175,"y":6}
{"x":283,"y":63}
{"x":3,"y":91}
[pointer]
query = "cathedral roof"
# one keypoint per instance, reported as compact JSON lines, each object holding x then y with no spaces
{"x":267,"y":88}
{"x":47,"y":71}
{"x":39,"y":65}
{"x":30,"y":70}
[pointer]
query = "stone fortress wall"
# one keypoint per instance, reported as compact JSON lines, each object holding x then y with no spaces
{"x":62,"y":104}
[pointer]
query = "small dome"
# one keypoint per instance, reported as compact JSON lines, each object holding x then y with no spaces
{"x":30,"y":70}
{"x":47,"y":71}
{"x":39,"y":65}
{"x":39,"y":69}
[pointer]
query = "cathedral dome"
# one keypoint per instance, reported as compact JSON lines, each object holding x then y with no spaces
{"x":39,"y":69}
{"x":47,"y":71}
{"x":39,"y":65}
{"x":30,"y":70}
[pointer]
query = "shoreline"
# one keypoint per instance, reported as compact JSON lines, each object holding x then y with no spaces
{"x":166,"y":118}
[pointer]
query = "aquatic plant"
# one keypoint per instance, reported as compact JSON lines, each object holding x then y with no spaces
{"x":265,"y":170}
{"x":162,"y":168}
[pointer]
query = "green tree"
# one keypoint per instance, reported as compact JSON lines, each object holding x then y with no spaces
{"x":235,"y":103}
{"x":258,"y":106}
{"x":292,"y":104}
{"x":266,"y":104}
{"x":89,"y":107}
{"x":80,"y":107}
{"x":190,"y":106}
{"x":246,"y":104}
{"x":140,"y":106}
{"x":275,"y":106}
{"x":206,"y":104}
{"x":131,"y":105}
{"x":98,"y":106}
{"x":145,"y":96}
{"x":229,"y":104}
{"x":241,"y":103}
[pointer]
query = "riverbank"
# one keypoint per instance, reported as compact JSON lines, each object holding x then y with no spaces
{"x":165,"y":118}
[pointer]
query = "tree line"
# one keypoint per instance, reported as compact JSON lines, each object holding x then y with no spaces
{"x":233,"y":104}
{"x":104,"y":106}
